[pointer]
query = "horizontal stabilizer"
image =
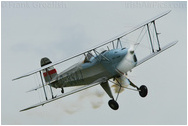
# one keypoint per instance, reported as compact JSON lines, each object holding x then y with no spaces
{"x":99,"y":81}
{"x":156,"y":53}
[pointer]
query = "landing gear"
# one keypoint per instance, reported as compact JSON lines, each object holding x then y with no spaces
{"x":143,"y":91}
{"x":62,"y":90}
{"x":113,"y":104}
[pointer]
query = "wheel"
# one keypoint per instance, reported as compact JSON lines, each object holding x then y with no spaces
{"x":143,"y":91}
{"x":62,"y":90}
{"x":113,"y":104}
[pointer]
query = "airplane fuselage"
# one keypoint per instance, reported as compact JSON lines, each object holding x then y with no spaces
{"x":105,"y":64}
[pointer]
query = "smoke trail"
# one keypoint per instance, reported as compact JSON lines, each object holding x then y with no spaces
{"x":91,"y":96}
{"x":96,"y":98}
{"x":72,"y":107}
{"x":96,"y":102}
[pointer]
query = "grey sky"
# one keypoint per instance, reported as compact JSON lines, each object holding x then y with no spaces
{"x":32,"y":30}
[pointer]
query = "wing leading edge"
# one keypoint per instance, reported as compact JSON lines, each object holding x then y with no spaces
{"x":99,"y":81}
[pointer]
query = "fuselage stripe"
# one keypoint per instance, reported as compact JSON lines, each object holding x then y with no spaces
{"x":50,"y":72}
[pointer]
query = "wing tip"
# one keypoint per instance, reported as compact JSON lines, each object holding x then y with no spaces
{"x":165,"y":13}
{"x":23,"y":110}
{"x":174,"y":42}
{"x":29,"y":108}
{"x":14,"y":79}
{"x":168,"y":11}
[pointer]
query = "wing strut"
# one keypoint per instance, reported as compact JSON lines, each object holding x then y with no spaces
{"x":43,"y":85}
{"x":113,"y":44}
{"x":159,"y":48}
{"x":150,"y":38}
{"x":119,"y":43}
{"x":156,"y":35}
{"x":101,"y":55}
{"x":50,"y":78}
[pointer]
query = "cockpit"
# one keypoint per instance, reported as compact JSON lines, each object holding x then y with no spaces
{"x":88,"y":57}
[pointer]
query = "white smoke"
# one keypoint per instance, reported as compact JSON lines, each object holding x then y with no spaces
{"x":92,"y":96}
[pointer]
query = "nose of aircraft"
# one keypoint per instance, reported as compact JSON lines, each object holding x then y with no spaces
{"x":132,"y":48}
{"x":129,"y":61}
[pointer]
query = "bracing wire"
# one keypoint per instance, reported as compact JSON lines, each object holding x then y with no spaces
{"x":139,"y":38}
{"x":37,"y":82}
{"x":142,"y":36}
{"x":140,"y":33}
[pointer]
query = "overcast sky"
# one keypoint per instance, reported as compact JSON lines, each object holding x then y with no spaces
{"x":32,"y":30}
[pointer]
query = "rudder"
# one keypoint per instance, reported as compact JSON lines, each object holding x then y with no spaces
{"x":49,"y":73}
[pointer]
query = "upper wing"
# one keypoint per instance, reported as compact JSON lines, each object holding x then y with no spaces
{"x":134,"y":28}
{"x":156,"y":53}
{"x":104,"y":43}
{"x":99,"y":81}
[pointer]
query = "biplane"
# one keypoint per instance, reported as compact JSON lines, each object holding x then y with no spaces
{"x":99,"y":68}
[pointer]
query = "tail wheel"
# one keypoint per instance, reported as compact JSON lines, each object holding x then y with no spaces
{"x":113,"y":104}
{"x":143,"y":91}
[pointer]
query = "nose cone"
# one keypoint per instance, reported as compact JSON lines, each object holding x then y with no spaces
{"x":128,"y":62}
{"x":131,"y":49}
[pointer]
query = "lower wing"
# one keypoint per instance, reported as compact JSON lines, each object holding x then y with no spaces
{"x":156,"y":53}
{"x":99,"y":81}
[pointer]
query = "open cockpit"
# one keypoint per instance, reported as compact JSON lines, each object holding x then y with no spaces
{"x":88,"y":57}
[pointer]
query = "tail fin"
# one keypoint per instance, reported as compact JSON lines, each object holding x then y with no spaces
{"x":49,"y":73}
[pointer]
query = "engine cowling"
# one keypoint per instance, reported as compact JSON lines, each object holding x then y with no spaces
{"x":128,"y":62}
